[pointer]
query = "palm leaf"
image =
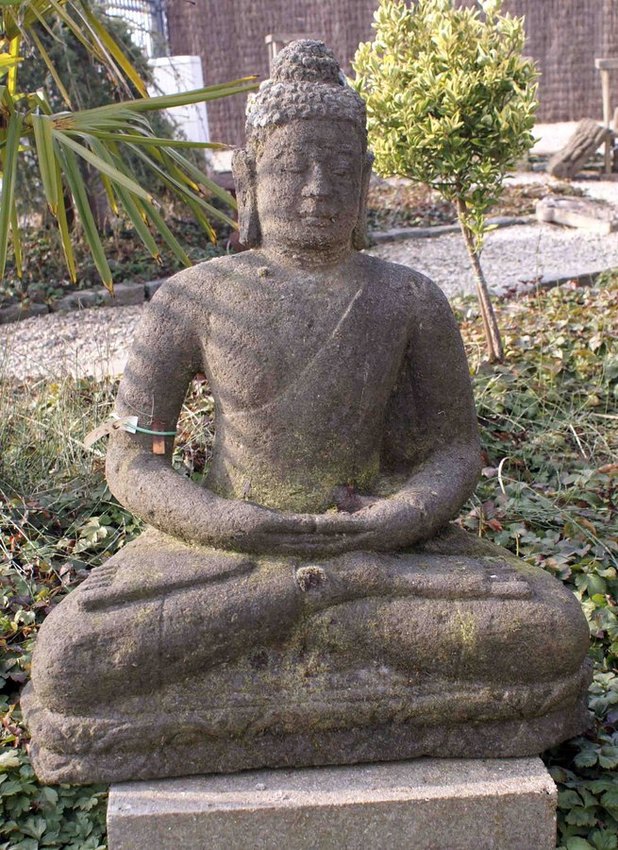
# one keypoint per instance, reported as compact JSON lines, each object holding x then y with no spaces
{"x":166,"y":233}
{"x":14,"y":54}
{"x":16,"y":239}
{"x":78,"y":190}
{"x":50,"y":66}
{"x":129,"y":204}
{"x":101,"y":165}
{"x":186,"y":165}
{"x":78,"y":32}
{"x":154,"y":141}
{"x":9,"y":172}
{"x":63,"y":226}
{"x":113,"y":49}
{"x":82,"y":118}
{"x":184,"y":190}
{"x":44,"y":141}
{"x":94,"y":135}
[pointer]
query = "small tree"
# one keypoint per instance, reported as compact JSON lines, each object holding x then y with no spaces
{"x":450,"y":103}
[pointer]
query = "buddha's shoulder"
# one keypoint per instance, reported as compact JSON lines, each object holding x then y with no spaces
{"x":202,"y":277}
{"x":404,"y":284}
{"x":215,"y":279}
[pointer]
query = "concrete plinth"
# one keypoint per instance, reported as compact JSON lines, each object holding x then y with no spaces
{"x":425,"y":804}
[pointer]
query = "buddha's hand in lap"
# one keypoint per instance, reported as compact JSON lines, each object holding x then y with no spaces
{"x":383,"y":525}
{"x":248,"y":527}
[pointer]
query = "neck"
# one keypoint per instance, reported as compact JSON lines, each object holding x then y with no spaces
{"x":301,"y":257}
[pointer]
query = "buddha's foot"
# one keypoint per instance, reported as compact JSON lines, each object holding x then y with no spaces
{"x":172,"y":660}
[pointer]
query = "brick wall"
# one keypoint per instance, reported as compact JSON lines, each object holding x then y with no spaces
{"x":564,"y":36}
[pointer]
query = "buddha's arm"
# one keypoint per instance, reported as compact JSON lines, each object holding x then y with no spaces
{"x":165,"y":356}
{"x":431,"y":440}
{"x":431,"y":427}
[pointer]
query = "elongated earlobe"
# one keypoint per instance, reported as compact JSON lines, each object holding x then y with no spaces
{"x":243,"y":171}
{"x":359,"y":234}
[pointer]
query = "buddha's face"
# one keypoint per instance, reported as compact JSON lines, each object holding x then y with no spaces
{"x":308,"y":185}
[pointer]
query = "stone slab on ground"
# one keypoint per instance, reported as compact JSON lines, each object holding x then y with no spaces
{"x":17,"y":312}
{"x":592,"y":214}
{"x":423,"y":804}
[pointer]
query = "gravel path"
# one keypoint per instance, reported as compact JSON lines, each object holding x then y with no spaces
{"x":512,"y":255}
{"x":95,"y":341}
{"x":86,"y":342}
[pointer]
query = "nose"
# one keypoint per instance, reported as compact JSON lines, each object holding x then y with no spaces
{"x":318,"y":184}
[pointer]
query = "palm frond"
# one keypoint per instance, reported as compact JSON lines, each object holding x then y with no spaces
{"x":100,"y":137}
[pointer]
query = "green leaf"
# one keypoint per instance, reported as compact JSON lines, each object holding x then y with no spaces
{"x":8,"y":759}
{"x":603,"y":839}
{"x":9,"y":173}
{"x":109,"y":44}
{"x":47,"y":158}
{"x":568,"y":799}
{"x":34,"y":827}
{"x":610,"y":798}
{"x":586,"y":758}
{"x":78,"y":190}
{"x":167,"y":234}
{"x":608,"y":757}
{"x":578,"y":816}
{"x":50,"y":795}
{"x":577,"y":843}
{"x":101,"y":165}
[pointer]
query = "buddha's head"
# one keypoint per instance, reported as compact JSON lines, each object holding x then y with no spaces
{"x":302,"y":178}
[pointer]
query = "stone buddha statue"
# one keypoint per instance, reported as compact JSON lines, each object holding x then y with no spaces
{"x":309,"y":603}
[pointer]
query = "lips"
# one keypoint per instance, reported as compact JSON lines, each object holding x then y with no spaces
{"x":313,"y":217}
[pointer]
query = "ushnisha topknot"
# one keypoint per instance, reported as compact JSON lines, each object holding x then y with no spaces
{"x":306,"y":82}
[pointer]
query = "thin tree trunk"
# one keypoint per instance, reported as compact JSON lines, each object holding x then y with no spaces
{"x":495,"y":351}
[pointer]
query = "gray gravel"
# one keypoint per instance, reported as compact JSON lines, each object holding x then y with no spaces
{"x":90,"y":342}
{"x":512,"y":256}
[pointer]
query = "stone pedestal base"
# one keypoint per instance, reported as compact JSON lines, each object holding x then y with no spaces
{"x":425,"y":804}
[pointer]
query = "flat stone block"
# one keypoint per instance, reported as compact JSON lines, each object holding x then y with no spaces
{"x":126,"y":294}
{"x":584,"y":213}
{"x":17,"y":312}
{"x":152,"y":286}
{"x":423,"y":804}
{"x":82,"y":300}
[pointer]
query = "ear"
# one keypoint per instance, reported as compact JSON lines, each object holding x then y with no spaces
{"x":243,"y":171}
{"x":359,"y":234}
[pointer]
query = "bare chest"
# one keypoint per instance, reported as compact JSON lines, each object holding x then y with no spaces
{"x":263,"y":341}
